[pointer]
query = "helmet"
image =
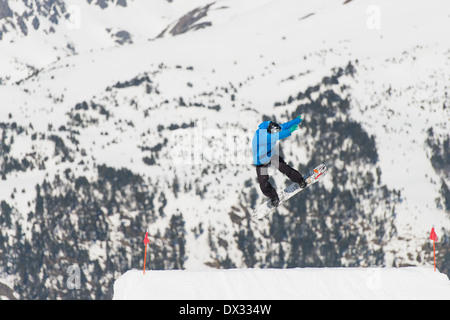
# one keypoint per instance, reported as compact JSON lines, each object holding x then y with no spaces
{"x":273,"y":127}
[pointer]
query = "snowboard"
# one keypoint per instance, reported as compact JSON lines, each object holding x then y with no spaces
{"x":311,"y":177}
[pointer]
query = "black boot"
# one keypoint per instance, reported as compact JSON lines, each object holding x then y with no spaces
{"x":275,"y":201}
{"x":302,"y":183}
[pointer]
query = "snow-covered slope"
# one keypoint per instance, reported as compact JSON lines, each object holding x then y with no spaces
{"x":122,"y":116}
{"x":286,"y":284}
{"x":6,"y":293}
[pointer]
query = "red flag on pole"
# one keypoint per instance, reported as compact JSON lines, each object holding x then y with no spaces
{"x":146,"y":241}
{"x":433,"y":236}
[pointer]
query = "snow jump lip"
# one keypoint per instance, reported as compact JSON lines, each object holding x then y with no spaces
{"x":418,"y":283}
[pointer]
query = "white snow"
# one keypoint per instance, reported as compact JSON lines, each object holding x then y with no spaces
{"x":286,"y":284}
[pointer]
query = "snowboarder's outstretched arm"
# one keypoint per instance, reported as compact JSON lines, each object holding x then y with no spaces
{"x":282,"y":134}
{"x":286,"y":129}
{"x":289,"y":124}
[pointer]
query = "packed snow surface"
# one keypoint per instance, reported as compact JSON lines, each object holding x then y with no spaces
{"x":286,"y":284}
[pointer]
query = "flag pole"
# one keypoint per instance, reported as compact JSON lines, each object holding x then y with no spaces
{"x":146,"y":241}
{"x":434,"y":255}
{"x":145,"y":256}
{"x":433,"y":237}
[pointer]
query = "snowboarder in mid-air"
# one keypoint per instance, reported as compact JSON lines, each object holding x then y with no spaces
{"x":264,"y":155}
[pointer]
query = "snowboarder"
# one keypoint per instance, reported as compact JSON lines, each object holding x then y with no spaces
{"x":264,"y":154}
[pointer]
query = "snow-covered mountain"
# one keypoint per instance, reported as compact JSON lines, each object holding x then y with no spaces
{"x":119,"y":117}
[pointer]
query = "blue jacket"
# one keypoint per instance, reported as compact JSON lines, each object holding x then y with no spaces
{"x":263,"y":142}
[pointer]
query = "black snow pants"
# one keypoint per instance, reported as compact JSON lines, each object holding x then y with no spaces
{"x":263,"y":175}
